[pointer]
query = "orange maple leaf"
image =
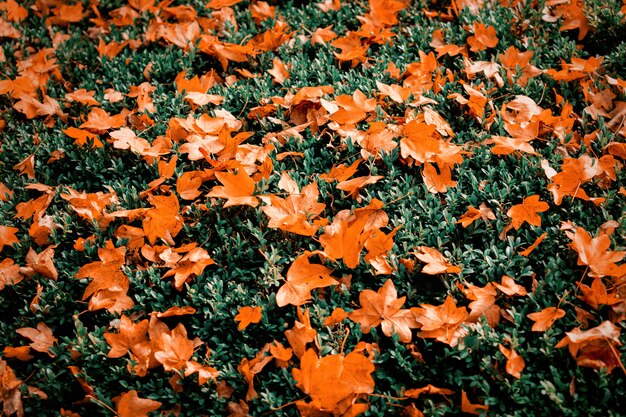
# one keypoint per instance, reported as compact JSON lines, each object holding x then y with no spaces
{"x":514,"y":362}
{"x":472,"y":214}
{"x":298,"y":212}
{"x":441,"y":322}
{"x":82,"y":96}
{"x":247,"y":315}
{"x":355,"y":185}
{"x":484,"y":37}
{"x":353,"y":109}
{"x":110,"y":285}
{"x":41,"y":337}
{"x":7,"y":236}
{"x":594,"y":348}
{"x":436,"y":263}
{"x":302,"y":333}
{"x":438,"y":179}
{"x":384,"y":308}
{"x":344,"y":240}
{"x":131,"y":336}
{"x":545,"y":318}
{"x":9,"y":273}
{"x":171,"y":348}
{"x":237,"y":188}
{"x":475,"y":409}
{"x":574,"y":173}
{"x":130,"y":405}
{"x":509,"y":287}
{"x":506,"y":145}
{"x":594,"y":253}
{"x":21,"y":353}
{"x":302,"y":277}
{"x":596,"y":294}
{"x":334,"y":382}
{"x":353,"y":50}
{"x":527,"y":211}
{"x":40,"y":263}
{"x":279,"y":71}
{"x":483,"y":303}
{"x":341,"y":172}
{"x":192,"y":263}
{"x":428,"y":389}
{"x":82,"y":137}
{"x":164,"y":220}
{"x":99,"y":120}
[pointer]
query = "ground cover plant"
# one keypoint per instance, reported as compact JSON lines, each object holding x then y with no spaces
{"x":383,"y":207}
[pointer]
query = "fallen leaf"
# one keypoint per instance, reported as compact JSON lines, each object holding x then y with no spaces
{"x":247,"y":315}
{"x":545,"y":318}
{"x":514,"y":363}
{"x":527,"y":212}
{"x":384,"y":308}
{"x":130,"y":405}
{"x":302,"y":277}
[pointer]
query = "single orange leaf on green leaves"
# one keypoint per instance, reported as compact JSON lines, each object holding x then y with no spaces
{"x":41,"y":337}
{"x":597,"y":295}
{"x":302,"y":277}
{"x":441,"y":322}
{"x":21,"y":353}
{"x":333,"y":382}
{"x":164,"y":220}
{"x":237,"y":188}
{"x":509,"y":287}
{"x":594,"y":253}
{"x":130,"y":405}
{"x":130,"y":335}
{"x":341,"y":172}
{"x":438,"y":178}
{"x":247,"y":315}
{"x":436,"y":263}
{"x":475,"y":409}
{"x":484,"y":37}
{"x":514,"y":362}
{"x":536,"y":243}
{"x":344,"y":240}
{"x":472,"y":214}
{"x":545,"y":318}
{"x":384,"y":308}
{"x":527,"y":211}
{"x":7,"y":236}
{"x":428,"y":389}
{"x":171,"y":348}
{"x":9,"y":273}
{"x":355,"y":185}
